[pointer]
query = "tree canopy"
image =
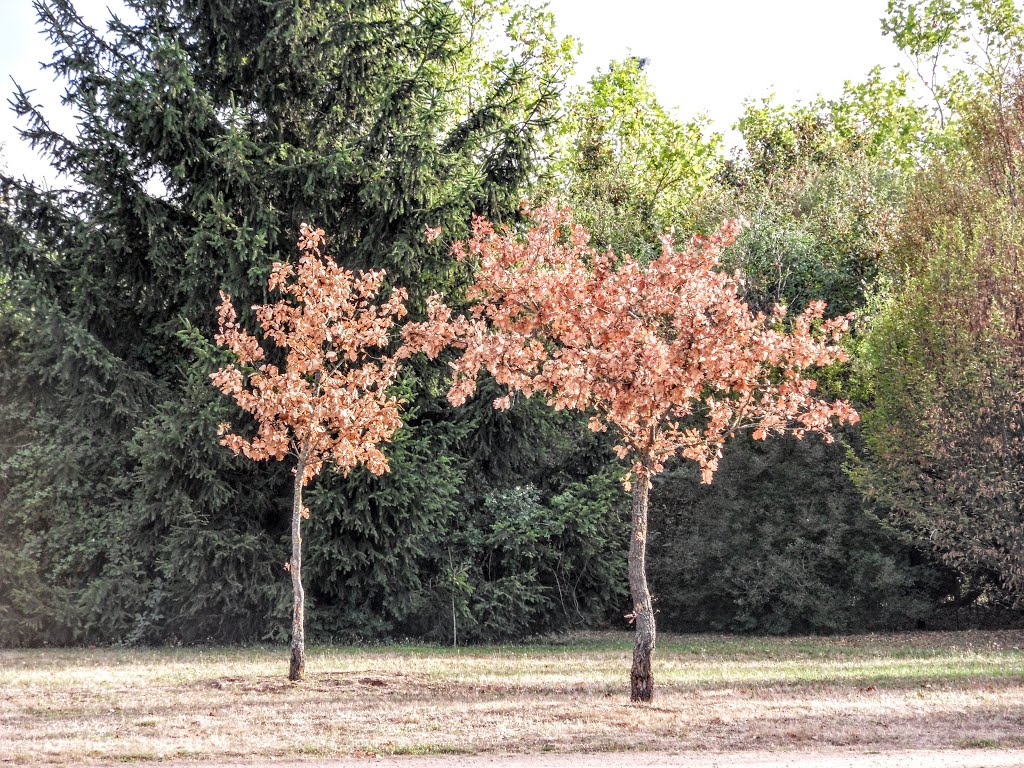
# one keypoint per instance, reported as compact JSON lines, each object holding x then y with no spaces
{"x":206,"y":131}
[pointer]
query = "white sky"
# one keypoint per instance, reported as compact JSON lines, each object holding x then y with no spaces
{"x":705,"y":55}
{"x":710,"y":55}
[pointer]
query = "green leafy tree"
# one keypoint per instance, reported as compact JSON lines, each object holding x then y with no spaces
{"x":629,"y":169}
{"x":957,"y":46}
{"x":821,"y":185}
{"x":941,"y":359}
{"x":783,"y":542}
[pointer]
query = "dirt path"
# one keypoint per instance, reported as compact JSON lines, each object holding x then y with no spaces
{"x":952,"y":758}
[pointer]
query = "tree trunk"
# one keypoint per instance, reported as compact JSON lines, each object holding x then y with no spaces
{"x":297,"y":668}
{"x":640,"y":679}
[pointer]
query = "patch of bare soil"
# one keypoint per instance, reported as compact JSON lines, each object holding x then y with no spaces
{"x":327,"y":682}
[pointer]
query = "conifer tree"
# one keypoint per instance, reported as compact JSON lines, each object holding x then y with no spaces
{"x":206,"y":131}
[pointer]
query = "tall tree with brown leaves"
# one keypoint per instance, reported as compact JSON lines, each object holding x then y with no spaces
{"x":327,"y":400}
{"x":666,"y":352}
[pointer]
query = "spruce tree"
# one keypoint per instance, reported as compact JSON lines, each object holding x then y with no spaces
{"x":206,"y":131}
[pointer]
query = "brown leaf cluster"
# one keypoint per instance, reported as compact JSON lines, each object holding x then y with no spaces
{"x":666,"y":352}
{"x":328,"y":400}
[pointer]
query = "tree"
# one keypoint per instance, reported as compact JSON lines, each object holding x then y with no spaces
{"x":205,"y":132}
{"x":941,"y":357}
{"x":783,"y":541}
{"x":821,"y":184}
{"x":667,"y":353}
{"x":957,"y":46}
{"x":940,"y":353}
{"x":626,"y":166}
{"x":328,"y":401}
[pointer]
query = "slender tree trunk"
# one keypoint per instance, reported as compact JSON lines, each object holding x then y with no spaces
{"x":297,"y":668}
{"x":641,"y":683}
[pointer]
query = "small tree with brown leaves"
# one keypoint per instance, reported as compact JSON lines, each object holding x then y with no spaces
{"x":327,"y":400}
{"x":666,"y":352}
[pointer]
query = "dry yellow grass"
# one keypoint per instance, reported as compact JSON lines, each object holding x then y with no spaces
{"x":720,"y":693}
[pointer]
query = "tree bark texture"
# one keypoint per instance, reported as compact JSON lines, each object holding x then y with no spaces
{"x":640,"y":680}
{"x":297,"y":668}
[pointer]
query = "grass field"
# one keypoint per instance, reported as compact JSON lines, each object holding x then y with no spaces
{"x":722,"y":693}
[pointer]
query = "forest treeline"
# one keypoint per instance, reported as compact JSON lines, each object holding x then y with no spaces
{"x":207,"y":130}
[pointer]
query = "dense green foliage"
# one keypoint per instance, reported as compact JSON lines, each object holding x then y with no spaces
{"x":941,"y":357}
{"x":820,"y":185}
{"x":207,"y":130}
{"x":781,"y":543}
